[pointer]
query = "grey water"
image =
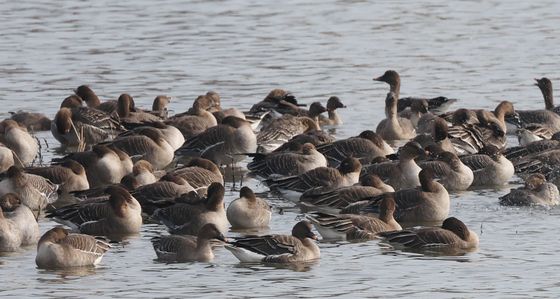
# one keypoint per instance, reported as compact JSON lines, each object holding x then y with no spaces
{"x":480,"y":52}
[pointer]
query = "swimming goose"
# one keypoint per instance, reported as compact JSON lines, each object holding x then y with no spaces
{"x":281,"y":129}
{"x":292,"y":187}
{"x":546,"y":118}
{"x":287,"y":163}
{"x":22,"y":216}
{"x":189,"y":218}
{"x":59,"y":249}
{"x":370,"y":185}
{"x":356,"y":227}
{"x":450,"y":171}
{"x":453,"y":234}
{"x":194,"y":122}
{"x":402,"y":173}
{"x":222,"y":144}
{"x":16,"y":138}
{"x":129,"y":114}
{"x":296,"y":248}
{"x":333,"y":118}
{"x":161,"y":193}
{"x":248,"y":211}
{"x":394,"y":127}
{"x":72,"y":126}
{"x":34,"y":191}
{"x":31,"y":121}
{"x":6,"y":158}
{"x":176,"y":248}
{"x":490,"y":167}
{"x":365,"y":147}
{"x":150,"y":146}
{"x":120,"y":215}
{"x":536,"y":191}
{"x":69,"y":175}
{"x":200,"y":173}
{"x":429,"y":203}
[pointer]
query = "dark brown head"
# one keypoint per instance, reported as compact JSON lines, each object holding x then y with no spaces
{"x":411,"y":150}
{"x":219,"y":116}
{"x":276,"y":95}
{"x":160,"y":103}
{"x":391,"y":100}
{"x":439,"y":129}
{"x":302,"y":230}
{"x":371,"y":180}
{"x":390,"y":77}
{"x":456,"y":226}
{"x":449,"y":158}
{"x":426,"y":177}
{"x":235,"y":122}
{"x":210,"y":231}
{"x":246,"y":192}
{"x":387,"y":206}
{"x":215,"y":199}
{"x":419,"y":106}
{"x":125,"y":105}
{"x":535,"y":181}
{"x":334,"y":103}
{"x":308,"y":148}
{"x":76,"y":167}
{"x":84,"y":92}
{"x":315,"y":109}
{"x":119,"y":199}
{"x":72,"y":101}
{"x":545,"y":85}
{"x":9,"y":202}
{"x":464,"y":116}
{"x":350,"y":165}
{"x":63,"y":120}
{"x":54,"y":235}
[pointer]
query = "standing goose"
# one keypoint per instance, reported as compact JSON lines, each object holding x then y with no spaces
{"x":120,"y":215}
{"x":296,"y":248}
{"x":429,"y":203}
{"x":151,"y":146}
{"x":356,"y":227}
{"x":33,"y":190}
{"x":450,"y":171}
{"x":394,"y":127}
{"x":22,"y":217}
{"x":58,"y":248}
{"x":333,"y":118}
{"x":24,"y":146}
{"x":536,"y":191}
{"x":490,"y":167}
{"x":365,"y":147}
{"x":292,"y":187}
{"x":194,"y":122}
{"x":176,"y":248}
{"x":69,"y":175}
{"x":189,"y":218}
{"x":200,"y":173}
{"x":281,"y":129}
{"x":248,"y":211}
{"x":288,"y":163}
{"x":453,"y":234}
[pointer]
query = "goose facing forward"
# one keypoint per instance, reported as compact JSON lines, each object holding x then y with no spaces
{"x":14,"y":212}
{"x":394,"y":127}
{"x":295,"y":248}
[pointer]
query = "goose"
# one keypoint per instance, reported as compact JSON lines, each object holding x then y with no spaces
{"x":333,"y":119}
{"x":34,"y":191}
{"x":200,"y":173}
{"x":415,"y":113}
{"x":211,"y":102}
{"x":370,"y":185}
{"x":248,"y":211}
{"x":365,"y":147}
{"x":6,"y":158}
{"x":189,"y":218}
{"x":546,"y":118}
{"x":535,"y":147}
{"x":128,"y":113}
{"x":222,"y":144}
{"x":402,"y":173}
{"x":194,"y":122}
{"x":74,"y":126}
{"x":160,"y":106}
{"x":24,"y":219}
{"x":273,"y":100}
{"x":69,"y":175}
{"x":177,"y":248}
{"x":280,"y":130}
{"x":471,"y":139}
{"x":532,"y":132}
{"x":356,"y":227}
{"x":33,"y":122}
{"x":536,"y":191}
{"x":394,"y":127}
{"x":171,"y":134}
{"x":120,"y":215}
{"x":10,"y":236}
{"x":490,"y":167}
{"x":314,"y":137}
{"x":451,"y":172}
{"x":58,"y":248}
{"x":24,"y":146}
{"x":295,"y":248}
{"x":92,"y":100}
{"x":453,"y":234}
{"x":545,"y":86}
{"x":429,"y":203}
{"x":150,"y":146}
{"x":292,"y":187}
{"x":72,"y":101}
{"x":143,"y":173}
{"x":288,"y":163}
{"x":161,"y":193}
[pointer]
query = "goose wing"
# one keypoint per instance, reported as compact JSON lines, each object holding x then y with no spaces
{"x":86,"y":244}
{"x":425,"y":237}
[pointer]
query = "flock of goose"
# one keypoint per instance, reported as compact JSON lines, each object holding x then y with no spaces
{"x":125,"y":166}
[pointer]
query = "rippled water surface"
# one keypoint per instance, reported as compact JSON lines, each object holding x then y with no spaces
{"x":480,"y":52}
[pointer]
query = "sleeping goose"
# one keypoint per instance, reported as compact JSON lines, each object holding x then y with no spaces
{"x":365,"y":147}
{"x":177,"y":248}
{"x":24,"y":146}
{"x":287,"y":163}
{"x":10,"y":236}
{"x":23,"y":218}
{"x":490,"y":167}
{"x":159,"y":106}
{"x":194,"y":122}
{"x":128,"y":113}
{"x":6,"y":158}
{"x":314,"y":137}
{"x":295,"y":248}
{"x":32,"y":121}
{"x":281,"y":129}
{"x":450,"y":171}
{"x":170,"y":133}
{"x":150,"y":146}
{"x":200,"y":173}
{"x":394,"y":127}
{"x":69,"y":175}
{"x":161,"y":193}
{"x":248,"y":211}
{"x":273,"y":100}
{"x":60,"y":249}
{"x":536,"y":191}
{"x":34,"y":191}
{"x":92,"y":100}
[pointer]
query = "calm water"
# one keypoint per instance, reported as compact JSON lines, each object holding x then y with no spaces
{"x":481,"y":52}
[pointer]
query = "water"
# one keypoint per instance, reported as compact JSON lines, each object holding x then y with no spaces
{"x":480,"y":52}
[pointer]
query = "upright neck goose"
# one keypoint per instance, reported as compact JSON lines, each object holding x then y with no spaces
{"x":536,"y":191}
{"x":453,"y":234}
{"x":58,"y":248}
{"x":69,"y":174}
{"x":194,"y":122}
{"x":545,"y":86}
{"x":31,"y":121}
{"x":22,"y":216}
{"x":490,"y":167}
{"x":333,"y":119}
{"x":451,"y":172}
{"x":34,"y":191}
{"x":120,"y":215}
{"x":16,"y":138}
{"x":176,"y":248}
{"x":356,"y":227}
{"x":248,"y":211}
{"x":280,"y":130}
{"x":288,"y":163}
{"x":394,"y":127}
{"x":365,"y":147}
{"x":295,"y":248}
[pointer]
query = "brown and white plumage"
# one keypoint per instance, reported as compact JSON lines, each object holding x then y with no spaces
{"x":394,"y":127}
{"x":69,"y":174}
{"x":162,"y":193}
{"x":34,"y":190}
{"x":248,"y":211}
{"x":536,"y":191}
{"x":128,"y":113}
{"x":333,"y":119}
{"x":194,"y":122}
{"x":91,"y":99}
{"x":280,"y":130}
{"x":533,"y":132}
{"x":450,"y":171}
{"x":170,"y":133}
{"x":287,"y":163}
{"x":150,"y":146}
{"x":294,"y":248}
{"x":200,"y":173}
{"x":273,"y":100}
{"x":19,"y":214}
{"x":365,"y":147}
{"x":6,"y":158}
{"x":10,"y":235}
{"x":177,"y":248}
{"x":24,"y":146}
{"x":490,"y":168}
{"x":58,"y":248}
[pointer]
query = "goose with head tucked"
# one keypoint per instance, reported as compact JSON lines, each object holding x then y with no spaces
{"x":194,"y":122}
{"x":365,"y":147}
{"x":490,"y":167}
{"x":6,"y":158}
{"x":69,"y":175}
{"x":34,"y":191}
{"x":536,"y":191}
{"x":450,"y":171}
{"x":161,"y":193}
{"x":24,"y":146}
{"x":23,"y":218}
{"x":200,"y":173}
{"x":282,"y":129}
{"x":287,"y":163}
{"x":32,"y":121}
